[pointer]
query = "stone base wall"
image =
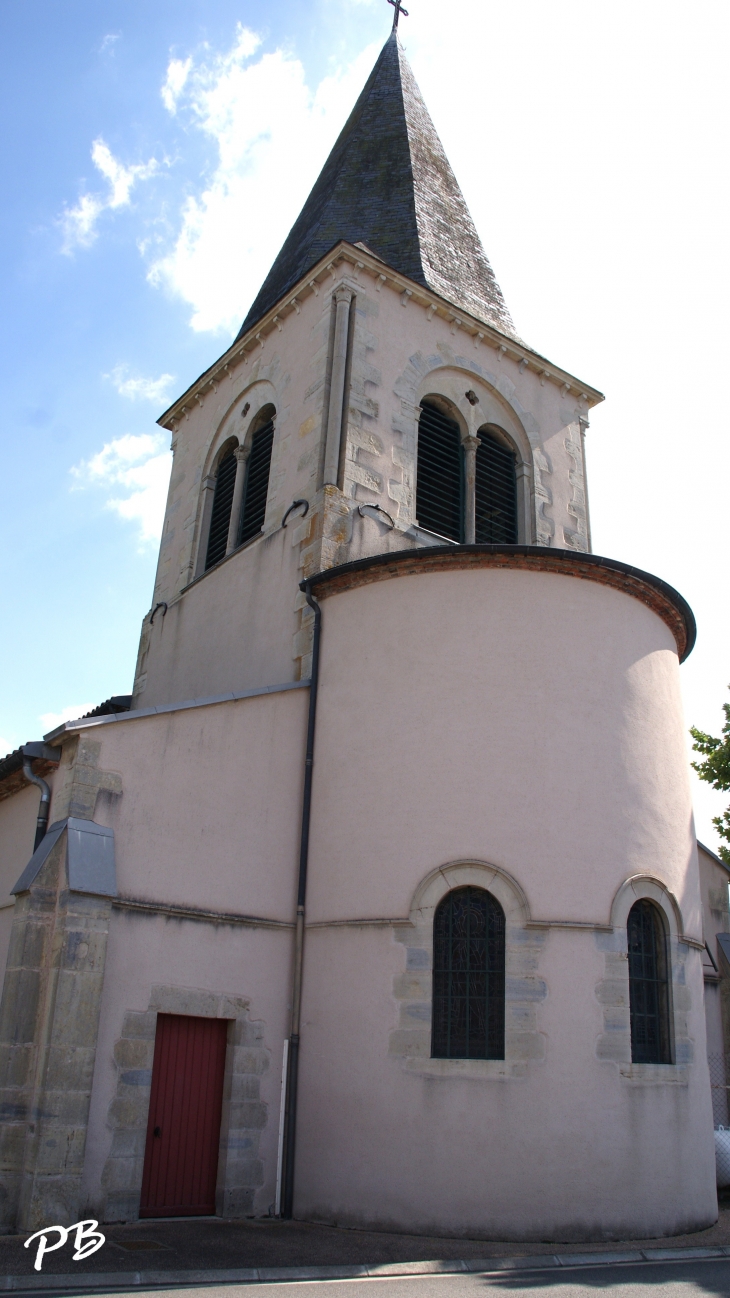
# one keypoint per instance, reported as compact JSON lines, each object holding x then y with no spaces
{"x":49,"y":1021}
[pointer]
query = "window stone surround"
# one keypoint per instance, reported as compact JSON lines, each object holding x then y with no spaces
{"x":244,"y":1115}
{"x":612,"y":991}
{"x":524,"y":988}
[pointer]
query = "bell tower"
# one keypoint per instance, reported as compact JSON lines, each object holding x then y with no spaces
{"x":377,"y":398}
{"x":402,"y":796}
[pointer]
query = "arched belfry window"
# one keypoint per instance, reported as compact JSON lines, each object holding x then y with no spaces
{"x":258,"y":468}
{"x":220,"y":517}
{"x":496,"y":492}
{"x":468,"y":976}
{"x":439,"y":474}
{"x":648,"y":985}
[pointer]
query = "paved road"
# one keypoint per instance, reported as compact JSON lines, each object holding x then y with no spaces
{"x":694,"y":1279}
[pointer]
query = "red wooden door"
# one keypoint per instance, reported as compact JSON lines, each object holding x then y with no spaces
{"x":183,"y":1131}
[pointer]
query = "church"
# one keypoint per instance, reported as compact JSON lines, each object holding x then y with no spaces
{"x":377,"y":903}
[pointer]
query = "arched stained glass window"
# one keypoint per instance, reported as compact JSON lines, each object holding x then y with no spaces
{"x":496,"y":492}
{"x":220,"y":517}
{"x":439,"y":475}
{"x":648,"y":985}
{"x":257,"y":483}
{"x":468,"y":976}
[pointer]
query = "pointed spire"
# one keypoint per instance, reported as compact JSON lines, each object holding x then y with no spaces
{"x":388,"y":184}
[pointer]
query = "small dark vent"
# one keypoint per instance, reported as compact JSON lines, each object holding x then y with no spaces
{"x":221,"y":513}
{"x":496,"y":493}
{"x":257,"y":483}
{"x":439,"y":475}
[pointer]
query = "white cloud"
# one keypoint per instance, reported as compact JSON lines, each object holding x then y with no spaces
{"x":6,"y":746}
{"x":49,"y":720}
{"x":272,"y":134}
{"x":109,"y":41}
{"x":137,"y":388}
{"x":79,"y":222}
{"x":138,"y":466}
{"x":177,"y":74}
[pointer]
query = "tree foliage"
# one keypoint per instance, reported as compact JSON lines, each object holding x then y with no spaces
{"x":715,"y":770}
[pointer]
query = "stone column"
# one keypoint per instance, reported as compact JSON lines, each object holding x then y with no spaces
{"x":343,"y":300}
{"x":470,"y":445}
{"x":523,"y":475}
{"x":206,"y":507}
{"x":241,"y":453}
{"x":583,"y":426}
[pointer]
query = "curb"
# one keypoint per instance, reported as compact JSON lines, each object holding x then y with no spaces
{"x":122,"y":1280}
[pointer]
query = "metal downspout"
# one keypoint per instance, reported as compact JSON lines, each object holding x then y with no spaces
{"x":45,"y":803}
{"x":291,"y":1096}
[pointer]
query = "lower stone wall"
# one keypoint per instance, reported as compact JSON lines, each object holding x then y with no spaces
{"x":49,"y":1018}
{"x":240,"y":1169}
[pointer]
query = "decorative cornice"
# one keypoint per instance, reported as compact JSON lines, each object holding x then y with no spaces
{"x":346,"y":255}
{"x":656,"y":594}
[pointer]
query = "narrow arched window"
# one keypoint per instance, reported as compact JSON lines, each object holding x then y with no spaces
{"x":257,"y":483}
{"x":468,"y":976}
{"x":439,"y":475}
{"x":648,"y":985}
{"x":220,"y":517}
{"x":496,"y":492}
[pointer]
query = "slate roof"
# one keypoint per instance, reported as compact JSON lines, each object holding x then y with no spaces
{"x":388,"y":183}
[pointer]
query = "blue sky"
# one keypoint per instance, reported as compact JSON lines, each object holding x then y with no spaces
{"x":155,"y":158}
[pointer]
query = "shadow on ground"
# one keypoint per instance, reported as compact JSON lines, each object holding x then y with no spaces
{"x":202,"y":1244}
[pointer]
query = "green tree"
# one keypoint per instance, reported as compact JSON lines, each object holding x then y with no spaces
{"x":715,"y":770}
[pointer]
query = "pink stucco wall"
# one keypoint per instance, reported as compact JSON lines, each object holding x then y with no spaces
{"x":531,"y":722}
{"x":208,"y":819}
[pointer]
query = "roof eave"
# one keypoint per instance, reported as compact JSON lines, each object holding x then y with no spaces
{"x":480,"y":330}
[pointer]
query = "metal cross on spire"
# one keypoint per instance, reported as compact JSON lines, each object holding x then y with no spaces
{"x":398,"y":6}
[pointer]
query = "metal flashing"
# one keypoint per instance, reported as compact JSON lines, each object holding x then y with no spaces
{"x":232,"y":696}
{"x":90,"y":857}
{"x":39,"y":858}
{"x":91,"y":864}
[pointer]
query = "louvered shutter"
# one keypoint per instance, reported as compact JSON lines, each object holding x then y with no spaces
{"x":257,"y":483}
{"x":221,"y":513}
{"x":496,"y":493}
{"x":439,"y":475}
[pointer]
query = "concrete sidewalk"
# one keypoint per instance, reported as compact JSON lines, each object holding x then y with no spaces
{"x":200,"y":1251}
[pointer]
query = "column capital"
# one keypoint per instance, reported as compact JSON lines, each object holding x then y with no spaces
{"x":242,"y":453}
{"x":343,"y":293}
